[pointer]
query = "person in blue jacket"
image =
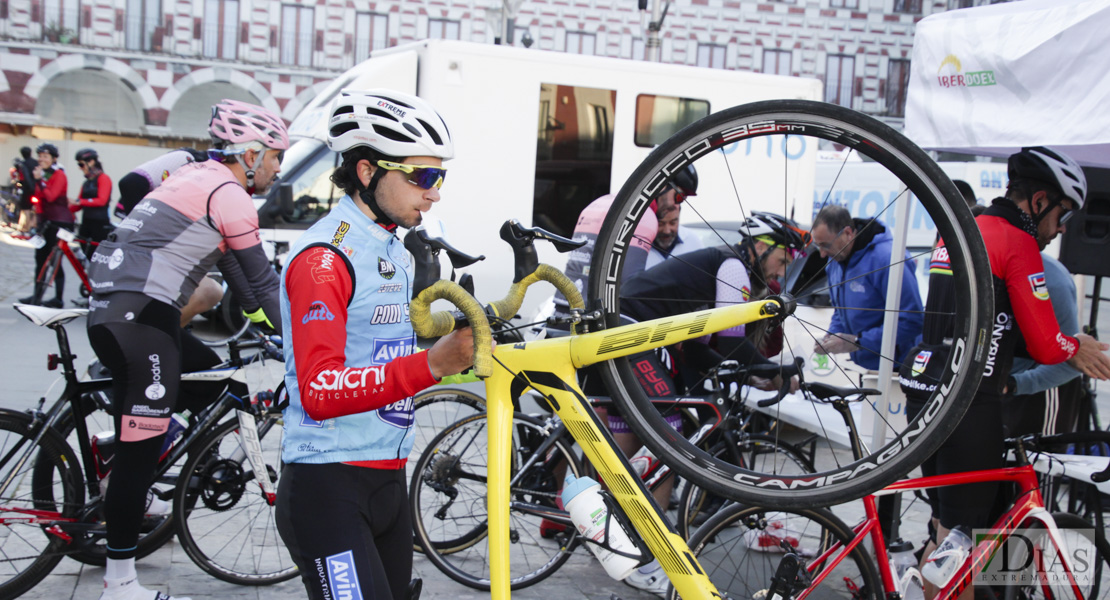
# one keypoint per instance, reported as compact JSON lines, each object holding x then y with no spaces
{"x":858,"y":269}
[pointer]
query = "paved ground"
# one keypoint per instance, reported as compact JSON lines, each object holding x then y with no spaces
{"x":22,"y":355}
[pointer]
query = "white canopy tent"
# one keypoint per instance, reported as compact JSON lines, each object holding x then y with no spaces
{"x":992,"y":79}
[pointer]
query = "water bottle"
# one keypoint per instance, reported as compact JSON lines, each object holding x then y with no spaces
{"x":178,"y":424}
{"x":903,"y":565}
{"x":590,"y":515}
{"x":947,"y":558}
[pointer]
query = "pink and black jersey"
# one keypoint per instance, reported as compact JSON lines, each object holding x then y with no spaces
{"x":197,"y":217}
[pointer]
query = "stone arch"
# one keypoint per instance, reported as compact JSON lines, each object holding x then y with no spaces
{"x":294,"y":106}
{"x":203,"y":88}
{"x":91,"y":92}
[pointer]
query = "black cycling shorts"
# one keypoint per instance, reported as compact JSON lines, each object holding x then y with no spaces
{"x":976,"y":444}
{"x":347,"y":528}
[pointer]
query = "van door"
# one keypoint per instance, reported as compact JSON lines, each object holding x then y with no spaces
{"x":574,"y":153}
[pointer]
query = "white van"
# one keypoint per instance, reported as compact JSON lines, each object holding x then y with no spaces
{"x":538,"y":135}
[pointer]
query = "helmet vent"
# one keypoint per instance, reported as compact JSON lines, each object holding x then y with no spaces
{"x":431,"y":132}
{"x":390,"y":134}
{"x":413,"y":129}
{"x":380,"y":113}
{"x":342,"y":128}
{"x":342,"y":110}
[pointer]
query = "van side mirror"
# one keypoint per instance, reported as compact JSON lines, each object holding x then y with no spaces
{"x":285,"y":199}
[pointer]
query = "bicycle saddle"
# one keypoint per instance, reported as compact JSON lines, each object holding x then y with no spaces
{"x":824,"y":391}
{"x":41,"y":315}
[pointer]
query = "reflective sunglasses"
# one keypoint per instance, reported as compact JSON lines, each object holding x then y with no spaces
{"x":424,"y":176}
{"x":1065,"y":215}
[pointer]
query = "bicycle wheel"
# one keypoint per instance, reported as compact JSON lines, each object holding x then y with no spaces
{"x":448,"y":499}
{"x":27,"y":551}
{"x":224,"y":521}
{"x":743,"y":157}
{"x":156,"y":529}
{"x":1038,"y":572}
{"x":741,"y":546}
{"x":435,"y":409}
{"x":764,"y":453}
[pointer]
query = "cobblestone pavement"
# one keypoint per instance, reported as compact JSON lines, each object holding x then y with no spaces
{"x":22,"y":350}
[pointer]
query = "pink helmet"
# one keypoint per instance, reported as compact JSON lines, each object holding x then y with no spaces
{"x":235,"y":122}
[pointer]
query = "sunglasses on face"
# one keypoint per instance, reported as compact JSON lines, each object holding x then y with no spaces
{"x":423,"y":176}
{"x":1065,"y":215}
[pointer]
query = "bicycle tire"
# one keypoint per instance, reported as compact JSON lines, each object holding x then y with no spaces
{"x":433,"y":410}
{"x":47,"y":275}
{"x":738,"y":549}
{"x":155,"y":531}
{"x":1078,"y":536}
{"x":810,"y":124}
{"x":28,"y":554}
{"x":695,"y":505}
{"x":221,"y":500}
{"x":458,"y":535}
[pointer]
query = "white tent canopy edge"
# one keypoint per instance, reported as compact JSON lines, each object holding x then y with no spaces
{"x":992,"y":79}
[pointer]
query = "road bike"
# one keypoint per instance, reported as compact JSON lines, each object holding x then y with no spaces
{"x":448,"y":482}
{"x":220,"y":481}
{"x":549,"y":366}
{"x":716,"y":143}
{"x":751,"y":551}
{"x":47,"y":275}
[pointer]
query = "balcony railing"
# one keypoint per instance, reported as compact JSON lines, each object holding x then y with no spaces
{"x":220,"y":41}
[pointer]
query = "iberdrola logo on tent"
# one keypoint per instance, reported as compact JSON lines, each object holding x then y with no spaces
{"x":951,"y":74}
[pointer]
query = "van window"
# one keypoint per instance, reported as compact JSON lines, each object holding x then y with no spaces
{"x":311,"y":164}
{"x":660,"y":117}
{"x":574,"y":153}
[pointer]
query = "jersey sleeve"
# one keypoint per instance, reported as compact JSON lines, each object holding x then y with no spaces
{"x":318,"y":291}
{"x":1030,"y":300}
{"x":233,"y":213}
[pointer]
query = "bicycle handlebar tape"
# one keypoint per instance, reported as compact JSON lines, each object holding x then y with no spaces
{"x":507,"y":306}
{"x":431,"y":325}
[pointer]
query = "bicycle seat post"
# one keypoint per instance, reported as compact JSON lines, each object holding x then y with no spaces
{"x":65,"y":357}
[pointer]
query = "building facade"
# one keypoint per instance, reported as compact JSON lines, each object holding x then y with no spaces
{"x":150,"y":69}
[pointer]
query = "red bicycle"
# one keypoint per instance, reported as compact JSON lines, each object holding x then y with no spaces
{"x":753,"y":552}
{"x":49,"y":271}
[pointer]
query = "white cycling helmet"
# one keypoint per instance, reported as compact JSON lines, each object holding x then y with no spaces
{"x":1050,"y":166}
{"x":392,"y":123}
{"x":239,"y":123}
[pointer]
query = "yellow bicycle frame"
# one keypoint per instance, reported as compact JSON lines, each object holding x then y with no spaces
{"x":549,"y":367}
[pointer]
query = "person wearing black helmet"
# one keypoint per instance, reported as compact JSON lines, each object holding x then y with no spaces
{"x":672,"y":239}
{"x":93,"y":201}
{"x":1046,"y":187}
{"x":53,"y":213}
{"x":858,"y":270}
